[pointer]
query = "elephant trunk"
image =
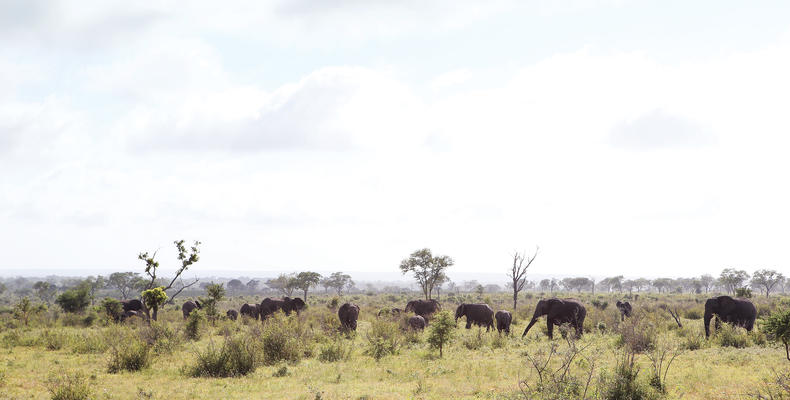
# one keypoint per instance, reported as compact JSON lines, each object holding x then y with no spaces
{"x":707,"y":317}
{"x":534,"y":319}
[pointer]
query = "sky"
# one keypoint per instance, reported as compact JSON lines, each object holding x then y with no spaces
{"x":636,"y":138}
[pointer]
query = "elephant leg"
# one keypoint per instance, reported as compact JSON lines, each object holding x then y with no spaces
{"x":468,"y":324}
{"x":550,"y":328}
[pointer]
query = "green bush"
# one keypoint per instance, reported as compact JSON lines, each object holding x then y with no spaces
{"x":195,"y":324}
{"x":441,"y":332}
{"x":384,"y":338}
{"x":622,"y":384}
{"x":334,"y":350}
{"x":692,"y":314}
{"x":280,"y":339}
{"x":730,"y":336}
{"x":53,"y":340}
{"x":474,"y":342}
{"x":90,"y":342}
{"x":161,"y":337}
{"x":112,"y":308}
{"x":69,"y":387}
{"x":777,"y":328}
{"x":74,"y":300}
{"x":237,"y":357}
{"x":129,"y":354}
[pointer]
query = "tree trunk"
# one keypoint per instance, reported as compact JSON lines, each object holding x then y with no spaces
{"x":305,"y":295}
{"x":515,"y":298}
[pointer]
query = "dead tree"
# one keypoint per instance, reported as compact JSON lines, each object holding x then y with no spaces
{"x":518,"y":273}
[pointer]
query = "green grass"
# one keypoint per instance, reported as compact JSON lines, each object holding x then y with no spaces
{"x":490,"y":368}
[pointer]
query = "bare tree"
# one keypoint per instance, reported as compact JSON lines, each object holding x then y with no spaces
{"x":518,"y":273}
{"x":187,"y":258}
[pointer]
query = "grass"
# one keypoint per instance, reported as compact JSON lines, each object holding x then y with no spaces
{"x":491,"y":370}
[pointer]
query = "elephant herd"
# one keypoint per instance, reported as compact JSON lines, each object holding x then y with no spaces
{"x":736,"y":311}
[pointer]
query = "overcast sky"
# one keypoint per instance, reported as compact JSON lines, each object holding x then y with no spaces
{"x":622,"y":137}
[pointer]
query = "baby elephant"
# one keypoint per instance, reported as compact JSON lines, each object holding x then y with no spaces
{"x":503,"y":320}
{"x":348,"y":314}
{"x":625,"y":309}
{"x":232,"y":314}
{"x":417,"y":323}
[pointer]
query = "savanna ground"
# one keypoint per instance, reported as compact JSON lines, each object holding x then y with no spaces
{"x":304,"y":357}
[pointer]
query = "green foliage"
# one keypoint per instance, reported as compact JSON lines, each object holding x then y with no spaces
{"x":128,"y":354}
{"x":743,"y":292}
{"x":428,"y":270}
{"x":24,"y":309}
{"x":474,"y":342}
{"x":441,"y":331}
{"x":281,"y":339}
{"x":216,"y":292}
{"x":154,"y":298}
{"x":53,"y":339}
{"x":238,"y":356}
{"x":112,"y":308}
{"x":69,"y":386}
{"x":194,"y":326}
{"x":161,"y":337}
{"x":335,"y":349}
{"x":90,"y":342}
{"x":74,"y":300}
{"x":623,"y":383}
{"x":777,"y":327}
{"x":731,"y":336}
{"x":306,"y":280}
{"x":383,"y":339}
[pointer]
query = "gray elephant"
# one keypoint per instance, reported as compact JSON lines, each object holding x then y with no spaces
{"x":625,"y":309}
{"x":738,"y":312}
{"x":132,"y":305}
{"x":423,"y":308}
{"x":348,"y":315}
{"x":190,"y":306}
{"x":250,"y":310}
{"x":558,"y":312}
{"x":478,"y":314}
{"x":232,"y":315}
{"x":503,"y":321}
{"x":286,"y":305}
{"x":392,"y":312}
{"x":416,"y":323}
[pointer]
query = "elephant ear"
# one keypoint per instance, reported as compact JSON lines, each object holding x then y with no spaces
{"x":726,"y":302}
{"x":619,"y":304}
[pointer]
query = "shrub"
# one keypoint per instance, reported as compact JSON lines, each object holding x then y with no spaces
{"x":553,"y":374}
{"x":474,"y":342}
{"x":623,"y":383}
{"x":730,"y":336}
{"x":692,"y":314}
{"x":499,"y":341}
{"x":777,"y":327}
{"x":112,"y":308}
{"x":601,"y":305}
{"x":74,"y":300}
{"x":743,"y":292}
{"x":383,"y":339}
{"x":69,"y":387}
{"x":129,"y":354}
{"x":194,"y":326}
{"x":90,"y":342}
{"x":161,"y":337}
{"x":441,"y":331}
{"x":334,"y":350}
{"x":638,"y":333}
{"x":280,"y":339}
{"x":53,"y":340}
{"x":237,"y":357}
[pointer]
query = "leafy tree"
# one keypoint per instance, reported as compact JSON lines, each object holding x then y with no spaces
{"x":285,"y":283}
{"x":767,"y":279}
{"x":306,"y":280}
{"x":614,"y":282}
{"x":707,"y":282}
{"x":576,"y":283}
{"x":442,"y":329}
{"x":75,"y":300}
{"x":545,"y":284}
{"x":732,"y":279}
{"x":253,"y":284}
{"x":339,"y":281}
{"x":153,"y":299}
{"x":186,"y":257}
{"x":777,"y":327}
{"x":45,"y":291}
{"x":125,"y":282}
{"x":518,"y":273}
{"x":3,"y":288}
{"x":215,"y":292}
{"x":236,"y":285}
{"x":662,"y":284}
{"x":427,"y":269}
{"x":95,"y":283}
{"x":24,"y":309}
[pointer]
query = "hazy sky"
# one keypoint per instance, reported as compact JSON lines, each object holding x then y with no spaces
{"x":622,"y":137}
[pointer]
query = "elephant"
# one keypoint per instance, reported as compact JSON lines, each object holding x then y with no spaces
{"x":423,"y":308}
{"x":417,"y":323}
{"x":286,"y":304}
{"x":129,"y":314}
{"x":250,"y":310}
{"x":478,"y":314}
{"x":132,"y":305}
{"x":390,"y":312}
{"x":738,"y":312}
{"x":232,"y":314}
{"x":558,"y":312}
{"x":190,"y":306}
{"x":625,"y":309}
{"x":503,"y":321}
{"x":348,"y":314}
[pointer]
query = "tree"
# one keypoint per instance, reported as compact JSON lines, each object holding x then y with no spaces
{"x":186,"y":257}
{"x":642,"y":283}
{"x":285,"y":283}
{"x":576,"y":283}
{"x":777,"y":326}
{"x":518,"y":273}
{"x":707,"y":282}
{"x":340,"y":281}
{"x":113,"y":308}
{"x":215,"y":292}
{"x":153,"y":299}
{"x":2,"y":288}
{"x":427,"y":269}
{"x":45,"y":291}
{"x":94,"y":284}
{"x":767,"y":279}
{"x":614,"y":282}
{"x":236,"y":285}
{"x":75,"y":300}
{"x":442,"y":327}
{"x":253,"y":284}
{"x":733,"y":279}
{"x":24,"y":309}
{"x":662,"y":284}
{"x":545,"y":284}
{"x":306,"y":280}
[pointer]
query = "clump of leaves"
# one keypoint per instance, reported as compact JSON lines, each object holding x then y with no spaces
{"x":441,"y":332}
{"x":777,"y":327}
